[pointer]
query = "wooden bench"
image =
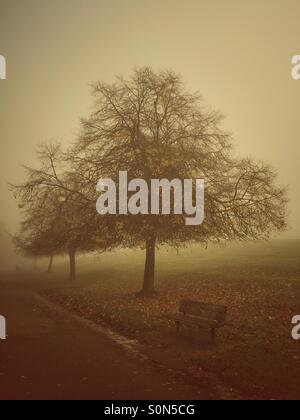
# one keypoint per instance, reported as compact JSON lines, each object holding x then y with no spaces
{"x":203,"y":315}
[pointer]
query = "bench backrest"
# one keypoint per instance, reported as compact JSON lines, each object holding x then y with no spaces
{"x":203,"y":310}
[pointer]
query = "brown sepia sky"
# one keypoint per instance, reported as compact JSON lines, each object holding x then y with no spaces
{"x":236,"y":53}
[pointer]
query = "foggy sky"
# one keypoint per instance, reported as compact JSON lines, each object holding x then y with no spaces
{"x":237,"y":54}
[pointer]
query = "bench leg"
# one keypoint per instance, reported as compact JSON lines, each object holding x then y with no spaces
{"x":178,"y":326}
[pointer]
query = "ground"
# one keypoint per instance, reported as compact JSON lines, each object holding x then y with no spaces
{"x":53,"y":355}
{"x":254,"y":356}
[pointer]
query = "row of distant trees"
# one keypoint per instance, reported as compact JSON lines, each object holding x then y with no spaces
{"x":151,"y":127}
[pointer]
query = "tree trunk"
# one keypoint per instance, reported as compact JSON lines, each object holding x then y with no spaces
{"x":50,"y":264}
{"x":72,"y":255}
{"x":149,"y":275}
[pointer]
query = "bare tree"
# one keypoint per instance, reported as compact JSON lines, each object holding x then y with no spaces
{"x":31,"y":242}
{"x":152,"y":128}
{"x":57,"y":217}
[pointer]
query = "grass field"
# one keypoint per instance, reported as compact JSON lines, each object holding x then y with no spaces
{"x":254,"y":355}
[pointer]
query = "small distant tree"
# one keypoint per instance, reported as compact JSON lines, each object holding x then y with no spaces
{"x":152,"y":127}
{"x":33,"y":244}
{"x":57,"y":217}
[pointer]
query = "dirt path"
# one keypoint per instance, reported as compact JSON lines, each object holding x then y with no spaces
{"x":50,"y":354}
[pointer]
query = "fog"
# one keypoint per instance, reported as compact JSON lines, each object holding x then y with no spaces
{"x":236,"y":54}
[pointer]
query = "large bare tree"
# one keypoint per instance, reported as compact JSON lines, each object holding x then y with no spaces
{"x":152,"y":127}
